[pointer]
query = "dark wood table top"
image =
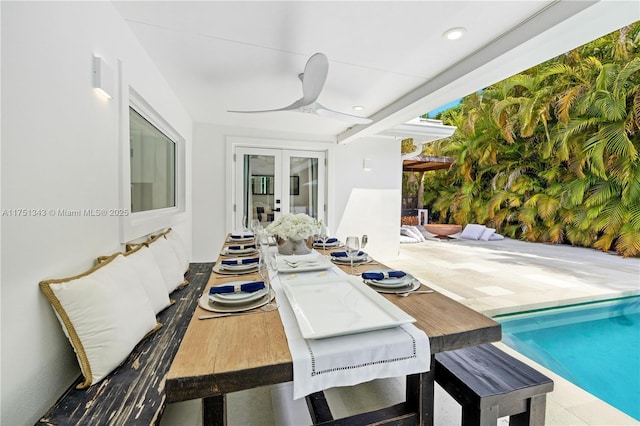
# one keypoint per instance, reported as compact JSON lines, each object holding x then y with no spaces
{"x":223,"y":355}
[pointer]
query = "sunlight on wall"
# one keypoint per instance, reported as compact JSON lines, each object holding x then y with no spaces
{"x":374,"y":212}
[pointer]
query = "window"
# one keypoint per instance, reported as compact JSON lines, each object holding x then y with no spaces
{"x":153,"y":170}
{"x":153,"y":165}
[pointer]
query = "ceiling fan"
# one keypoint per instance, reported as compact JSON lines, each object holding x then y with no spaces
{"x":313,"y":78}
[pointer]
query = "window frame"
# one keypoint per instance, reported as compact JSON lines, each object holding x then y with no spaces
{"x":139,"y":224}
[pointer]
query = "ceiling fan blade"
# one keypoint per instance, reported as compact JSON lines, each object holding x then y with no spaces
{"x":294,"y":106}
{"x":325,"y":112}
{"x":314,"y":77}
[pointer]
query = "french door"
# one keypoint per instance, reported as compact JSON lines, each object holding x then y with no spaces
{"x":270,"y":182}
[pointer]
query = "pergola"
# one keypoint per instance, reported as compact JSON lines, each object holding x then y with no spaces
{"x":425,"y":163}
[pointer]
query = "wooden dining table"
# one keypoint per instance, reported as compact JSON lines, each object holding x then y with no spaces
{"x":224,"y":355}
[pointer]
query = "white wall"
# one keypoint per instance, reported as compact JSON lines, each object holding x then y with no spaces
{"x":210,"y":185}
{"x":369,"y":201}
{"x":60,"y":150}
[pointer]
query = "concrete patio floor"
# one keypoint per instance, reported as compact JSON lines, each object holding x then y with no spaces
{"x":492,"y":277}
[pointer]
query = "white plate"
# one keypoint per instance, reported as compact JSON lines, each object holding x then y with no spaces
{"x":240,"y":298}
{"x":239,"y":253}
{"x":241,"y":267}
{"x":328,"y":245}
{"x":414,"y":285}
{"x":208,"y":305}
{"x":305,"y":263}
{"x":218,"y":270}
{"x":340,"y":305}
{"x":358,"y":259}
{"x":240,"y":240}
{"x":391,"y":282}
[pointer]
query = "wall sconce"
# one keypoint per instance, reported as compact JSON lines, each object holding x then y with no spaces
{"x":366,"y":164}
{"x":103,"y":80}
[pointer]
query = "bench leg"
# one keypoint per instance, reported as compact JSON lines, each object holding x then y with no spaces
{"x":420,"y":394}
{"x":535,"y":414}
{"x":214,"y":411}
{"x":471,"y":416}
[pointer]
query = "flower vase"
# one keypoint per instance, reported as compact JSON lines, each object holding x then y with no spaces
{"x":288,"y":246}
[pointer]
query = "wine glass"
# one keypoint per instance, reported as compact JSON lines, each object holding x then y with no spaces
{"x":255,"y":226}
{"x":262,"y":239}
{"x":352,"y":247}
{"x":268,"y":268}
{"x":324,"y":236}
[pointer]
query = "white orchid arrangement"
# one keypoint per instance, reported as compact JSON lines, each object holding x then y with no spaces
{"x":296,"y":227}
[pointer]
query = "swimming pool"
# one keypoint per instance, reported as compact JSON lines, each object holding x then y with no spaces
{"x":595,"y":346}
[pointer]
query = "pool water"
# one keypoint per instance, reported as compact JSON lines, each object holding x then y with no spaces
{"x":595,"y":346}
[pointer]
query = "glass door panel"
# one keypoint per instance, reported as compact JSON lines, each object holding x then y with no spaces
{"x":303,"y":186}
{"x":306,"y":172}
{"x":259,"y":191}
{"x":264,"y":175}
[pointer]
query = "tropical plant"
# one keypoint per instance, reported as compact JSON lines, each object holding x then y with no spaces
{"x":551,"y":154}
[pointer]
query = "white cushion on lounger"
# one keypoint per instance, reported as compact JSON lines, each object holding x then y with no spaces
{"x":405,"y":239}
{"x":472,"y":231}
{"x":487,"y":233}
{"x":414,"y":232}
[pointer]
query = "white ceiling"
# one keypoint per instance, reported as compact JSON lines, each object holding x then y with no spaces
{"x":388,"y":56}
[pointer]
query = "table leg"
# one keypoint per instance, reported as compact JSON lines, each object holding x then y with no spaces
{"x":420,"y":394}
{"x":214,"y":411}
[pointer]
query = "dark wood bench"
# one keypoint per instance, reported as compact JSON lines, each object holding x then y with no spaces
{"x":133,"y":394}
{"x":489,"y":384}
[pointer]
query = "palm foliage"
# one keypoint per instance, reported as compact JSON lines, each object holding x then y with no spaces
{"x":551,"y":154}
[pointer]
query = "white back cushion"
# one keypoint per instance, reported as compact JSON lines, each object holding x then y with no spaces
{"x":167,"y":262}
{"x":104,"y":313}
{"x":178,"y":246}
{"x":149,"y":275}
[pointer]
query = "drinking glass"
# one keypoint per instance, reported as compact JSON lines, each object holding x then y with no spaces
{"x":352,"y":247}
{"x":324,"y":236}
{"x":268,"y":267}
{"x":262,"y":240}
{"x":255,"y":226}
{"x":364,"y":241}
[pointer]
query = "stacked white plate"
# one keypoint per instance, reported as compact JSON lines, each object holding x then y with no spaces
{"x":335,"y":244}
{"x":235,"y":302}
{"x":363,"y":258}
{"x":235,"y":269}
{"x":393,"y":285}
{"x":240,"y":237}
{"x":228,"y":251}
{"x":239,"y":298}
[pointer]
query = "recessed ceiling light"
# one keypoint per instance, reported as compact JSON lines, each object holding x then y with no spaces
{"x":454,"y":33}
{"x":358,"y":108}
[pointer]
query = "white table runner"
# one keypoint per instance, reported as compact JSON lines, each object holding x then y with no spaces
{"x":351,"y":359}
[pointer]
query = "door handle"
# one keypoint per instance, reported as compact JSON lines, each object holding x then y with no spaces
{"x":276,"y":209}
